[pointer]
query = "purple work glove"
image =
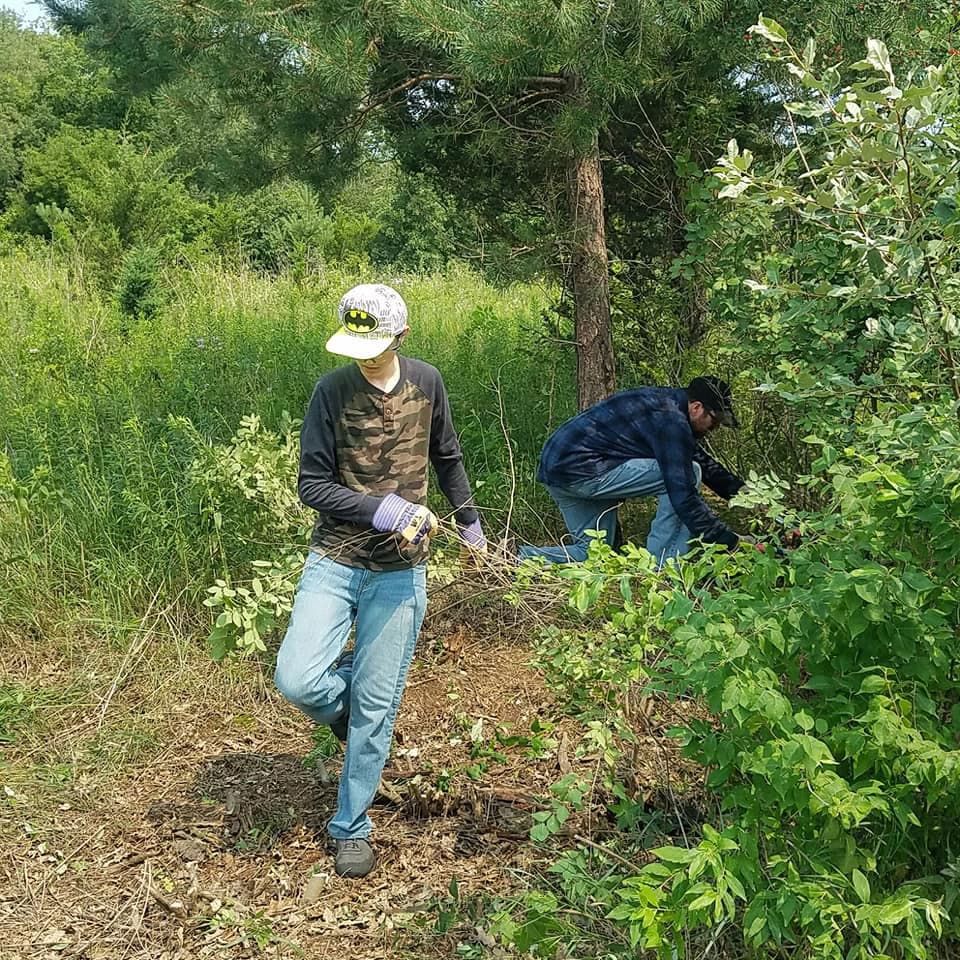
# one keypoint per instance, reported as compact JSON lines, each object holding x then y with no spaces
{"x":472,"y":536}
{"x":410,"y":521}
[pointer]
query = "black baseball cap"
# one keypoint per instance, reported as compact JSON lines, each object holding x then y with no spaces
{"x":715,"y":395}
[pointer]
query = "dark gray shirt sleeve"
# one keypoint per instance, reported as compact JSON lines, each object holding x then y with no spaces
{"x":447,"y":458}
{"x":319,"y":482}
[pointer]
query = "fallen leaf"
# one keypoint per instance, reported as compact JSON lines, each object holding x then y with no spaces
{"x":54,"y":937}
{"x":314,"y":887}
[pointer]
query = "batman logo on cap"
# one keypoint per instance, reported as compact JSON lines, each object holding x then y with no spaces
{"x":359,"y":321}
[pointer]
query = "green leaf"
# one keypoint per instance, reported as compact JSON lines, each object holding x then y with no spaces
{"x":734,"y":190}
{"x":707,"y":899}
{"x":808,"y":108}
{"x":879,"y":57}
{"x":756,"y":927}
{"x":945,"y":210}
{"x":769,"y":29}
{"x":867,"y":591}
{"x":675,"y":854}
{"x":862,"y":886}
{"x":917,"y":580}
{"x":894,"y":913}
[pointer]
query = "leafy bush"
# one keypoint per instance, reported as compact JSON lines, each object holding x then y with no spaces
{"x":46,"y":81}
{"x":139,"y":287}
{"x":284,"y":226}
{"x":250,"y":484}
{"x":96,"y":194}
{"x":831,"y":679}
{"x":420,"y":230}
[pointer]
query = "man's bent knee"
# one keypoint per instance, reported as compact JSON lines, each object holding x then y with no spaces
{"x":290,"y":683}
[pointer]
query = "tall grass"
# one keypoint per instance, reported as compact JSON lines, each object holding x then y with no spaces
{"x":94,"y":504}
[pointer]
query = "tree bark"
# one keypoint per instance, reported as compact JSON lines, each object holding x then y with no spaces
{"x":596,"y":370}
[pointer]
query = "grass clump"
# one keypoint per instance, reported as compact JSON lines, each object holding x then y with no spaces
{"x":95,"y":503}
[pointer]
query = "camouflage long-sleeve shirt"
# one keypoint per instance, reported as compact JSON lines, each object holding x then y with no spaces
{"x":358,"y":444}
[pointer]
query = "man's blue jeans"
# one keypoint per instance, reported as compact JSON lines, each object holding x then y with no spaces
{"x":592,"y":505}
{"x":387,"y":608}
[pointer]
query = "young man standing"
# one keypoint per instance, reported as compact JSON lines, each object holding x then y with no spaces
{"x":641,"y":443}
{"x":371,"y":431}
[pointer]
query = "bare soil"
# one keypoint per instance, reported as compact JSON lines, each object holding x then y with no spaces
{"x":161,"y":807}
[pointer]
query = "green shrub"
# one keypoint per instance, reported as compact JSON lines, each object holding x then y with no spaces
{"x":284,"y":226}
{"x":420,"y":229}
{"x":140,"y":286}
{"x":98,"y":195}
{"x":831,"y":744}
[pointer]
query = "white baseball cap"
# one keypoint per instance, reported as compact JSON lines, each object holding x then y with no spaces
{"x":372,"y":316}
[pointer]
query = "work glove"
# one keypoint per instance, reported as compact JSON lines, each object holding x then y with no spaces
{"x":747,"y":542}
{"x":789,"y":537}
{"x":410,"y":520}
{"x":473,"y":544}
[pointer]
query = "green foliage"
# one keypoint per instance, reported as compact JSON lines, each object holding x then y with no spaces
{"x":533,"y":923}
{"x":46,"y":81}
{"x":420,"y":230}
{"x":829,"y":672}
{"x":833,"y":695}
{"x":284,"y":226}
{"x":858,"y":296}
{"x":140,"y":284}
{"x":96,"y":194}
{"x":250,"y":483}
{"x":325,"y":746}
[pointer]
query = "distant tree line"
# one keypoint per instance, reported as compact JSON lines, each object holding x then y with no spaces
{"x":559,"y":138}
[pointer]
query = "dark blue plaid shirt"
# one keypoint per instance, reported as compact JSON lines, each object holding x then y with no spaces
{"x":645,"y":423}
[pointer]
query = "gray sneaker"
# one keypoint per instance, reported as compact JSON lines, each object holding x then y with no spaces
{"x":355,"y":858}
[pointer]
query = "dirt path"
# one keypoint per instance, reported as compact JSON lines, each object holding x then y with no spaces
{"x":214,"y":845}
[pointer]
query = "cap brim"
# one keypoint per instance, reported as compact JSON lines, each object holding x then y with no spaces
{"x":727,"y":418}
{"x":357,"y":348}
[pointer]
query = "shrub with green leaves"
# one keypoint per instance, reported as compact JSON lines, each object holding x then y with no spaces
{"x":249,"y":484}
{"x":830,"y":674}
{"x":140,"y":293}
{"x":97,"y":194}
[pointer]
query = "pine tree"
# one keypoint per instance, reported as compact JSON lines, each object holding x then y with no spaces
{"x":507,"y":103}
{"x":525,"y":83}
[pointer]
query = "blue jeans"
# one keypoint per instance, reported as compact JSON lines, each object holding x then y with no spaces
{"x":387,"y":608}
{"x":592,"y":505}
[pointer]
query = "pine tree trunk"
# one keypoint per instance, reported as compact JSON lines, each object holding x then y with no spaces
{"x":596,"y":371}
